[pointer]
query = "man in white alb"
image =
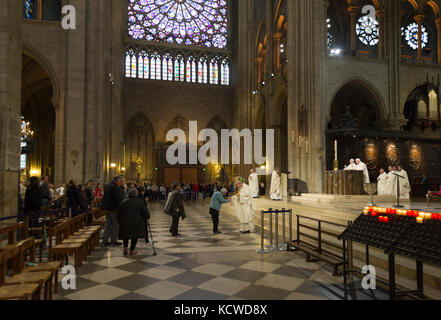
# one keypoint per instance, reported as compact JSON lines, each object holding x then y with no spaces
{"x":392,"y":182}
{"x":244,"y":205}
{"x":382,"y":183}
{"x":361,"y":166}
{"x":404,"y":184}
{"x":253,"y":180}
{"x":276,"y":186}
{"x":352,"y":165}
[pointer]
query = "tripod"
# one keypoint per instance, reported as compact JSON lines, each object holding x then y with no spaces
{"x":149,"y":230}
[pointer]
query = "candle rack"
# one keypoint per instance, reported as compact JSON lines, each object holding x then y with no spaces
{"x":397,"y":235}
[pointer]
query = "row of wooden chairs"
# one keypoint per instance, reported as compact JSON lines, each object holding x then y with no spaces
{"x":26,"y":282}
{"x":73,"y":238}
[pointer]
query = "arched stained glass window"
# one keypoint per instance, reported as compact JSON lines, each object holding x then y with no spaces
{"x":191,"y":70}
{"x":367,"y":31}
{"x":202,"y":71}
{"x":167,"y":68}
{"x":410,"y":34}
{"x":214,"y":72}
{"x":131,"y":64}
{"x":189,"y":22}
{"x":225,"y":71}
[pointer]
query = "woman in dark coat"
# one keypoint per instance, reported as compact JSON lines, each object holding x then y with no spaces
{"x":33,"y":196}
{"x":132,"y":219}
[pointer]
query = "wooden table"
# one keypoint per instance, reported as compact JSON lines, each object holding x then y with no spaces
{"x":349,"y":183}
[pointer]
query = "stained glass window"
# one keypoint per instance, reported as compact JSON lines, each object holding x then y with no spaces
{"x":144,"y":64}
{"x":411,"y":36}
{"x":225,"y":71}
{"x":367,"y":31}
{"x":214,"y":72}
{"x":189,"y":22}
{"x":29,"y":9}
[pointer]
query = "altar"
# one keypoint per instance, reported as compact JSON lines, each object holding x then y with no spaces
{"x":347,"y":182}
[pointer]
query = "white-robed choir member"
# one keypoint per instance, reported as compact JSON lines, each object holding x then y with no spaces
{"x":361,"y":166}
{"x":244,"y":205}
{"x":392,"y":182}
{"x":253,"y":180}
{"x":352,"y":165}
{"x":382,"y":183}
{"x":404,"y":183}
{"x":276,"y":186}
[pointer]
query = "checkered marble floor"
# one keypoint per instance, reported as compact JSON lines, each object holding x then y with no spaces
{"x":203,"y":266}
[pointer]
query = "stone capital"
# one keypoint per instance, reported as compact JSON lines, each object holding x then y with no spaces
{"x":353,"y":10}
{"x":438,"y":22}
{"x":419,"y":18}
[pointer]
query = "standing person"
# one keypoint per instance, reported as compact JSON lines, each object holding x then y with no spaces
{"x":46,"y":193}
{"x":142,"y":194}
{"x":98,"y":192}
{"x":73,"y":198}
{"x":382,"y":183}
{"x":113,"y":196}
{"x":132,"y":218}
{"x":361,"y":166}
{"x":254,"y":183}
{"x":276,"y":186}
{"x":244,"y":205}
{"x":33,"y":196}
{"x":23,"y":188}
{"x":215,"y":206}
{"x":425,"y":185}
{"x":351,"y":166}
{"x":392,"y":182}
{"x":404,"y":184}
{"x":174,"y":207}
{"x":262,"y":189}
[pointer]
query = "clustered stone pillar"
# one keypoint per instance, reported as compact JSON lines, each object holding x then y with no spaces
{"x":438,"y":32}
{"x":354,"y":12}
{"x":419,"y":19}
{"x":381,"y":16}
{"x":10,"y":103}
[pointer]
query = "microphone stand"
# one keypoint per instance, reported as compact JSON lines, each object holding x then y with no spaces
{"x":398,"y":205}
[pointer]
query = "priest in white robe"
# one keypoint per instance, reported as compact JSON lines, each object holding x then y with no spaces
{"x":253,"y":180}
{"x":244,"y":205}
{"x":382,"y":183}
{"x":361,"y":166}
{"x":276,"y":186}
{"x":404,"y":184}
{"x":392,"y":182}
{"x":351,"y":166}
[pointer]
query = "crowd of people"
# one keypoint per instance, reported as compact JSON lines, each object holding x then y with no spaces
{"x":396,"y":180}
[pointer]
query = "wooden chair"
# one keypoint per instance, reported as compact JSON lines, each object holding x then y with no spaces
{"x":52,"y":267}
{"x":57,"y":247}
{"x":43,"y":279}
{"x":16,"y":292}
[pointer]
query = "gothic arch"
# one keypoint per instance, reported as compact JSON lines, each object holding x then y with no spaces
{"x":139,"y":152}
{"x":363,"y":88}
{"x":38,"y":57}
{"x":178,"y":122}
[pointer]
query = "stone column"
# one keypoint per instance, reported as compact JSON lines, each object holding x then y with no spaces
{"x":354,"y":12}
{"x":10,"y":103}
{"x":419,"y":19}
{"x":277,"y":37}
{"x":438,"y":32}
{"x":381,"y":16}
{"x":395,"y":112}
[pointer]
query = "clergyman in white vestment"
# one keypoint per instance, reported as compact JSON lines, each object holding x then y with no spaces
{"x":276,"y":186}
{"x":254,"y":183}
{"x":404,"y":184}
{"x":361,"y":166}
{"x":392,"y":182}
{"x":351,"y":166}
{"x":382,"y":183}
{"x":244,"y":205}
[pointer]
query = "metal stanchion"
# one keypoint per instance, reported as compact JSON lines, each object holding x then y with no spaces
{"x":271,"y":245}
{"x":277,"y":229}
{"x":290,"y":226}
{"x":284,"y":245}
{"x":262,"y":240}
